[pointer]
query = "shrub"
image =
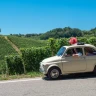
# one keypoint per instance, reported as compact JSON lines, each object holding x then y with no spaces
{"x":14,"y":65}
{"x":61,"y":42}
{"x":2,"y":67}
{"x":33,"y":56}
{"x":92,"y":40}
{"x":83,"y":39}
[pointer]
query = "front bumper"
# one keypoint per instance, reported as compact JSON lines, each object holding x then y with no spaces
{"x":41,"y":69}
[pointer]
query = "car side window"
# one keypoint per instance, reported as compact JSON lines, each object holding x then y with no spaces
{"x":89,"y":51}
{"x":69,"y":53}
{"x":74,"y":52}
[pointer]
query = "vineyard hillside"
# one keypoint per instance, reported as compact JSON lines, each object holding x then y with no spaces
{"x":5,"y":49}
{"x":24,"y":42}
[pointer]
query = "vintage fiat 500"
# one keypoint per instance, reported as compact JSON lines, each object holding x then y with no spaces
{"x":76,"y":58}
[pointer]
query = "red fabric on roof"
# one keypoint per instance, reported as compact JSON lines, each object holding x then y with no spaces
{"x":73,"y":40}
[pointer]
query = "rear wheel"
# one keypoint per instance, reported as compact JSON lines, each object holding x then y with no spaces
{"x":54,"y":73}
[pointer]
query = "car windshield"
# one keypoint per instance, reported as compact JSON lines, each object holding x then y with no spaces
{"x":61,"y":51}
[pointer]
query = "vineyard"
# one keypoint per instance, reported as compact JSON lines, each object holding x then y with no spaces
{"x":32,"y":52}
{"x":5,"y":49}
{"x":24,"y":42}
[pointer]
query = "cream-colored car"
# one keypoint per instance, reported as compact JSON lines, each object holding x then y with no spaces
{"x":76,"y":58}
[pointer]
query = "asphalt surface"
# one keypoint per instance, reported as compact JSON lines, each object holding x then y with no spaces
{"x":71,"y":85}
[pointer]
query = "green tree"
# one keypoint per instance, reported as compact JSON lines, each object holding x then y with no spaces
{"x":52,"y":45}
{"x":94,"y":31}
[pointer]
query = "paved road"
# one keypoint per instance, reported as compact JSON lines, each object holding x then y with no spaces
{"x":78,"y":85}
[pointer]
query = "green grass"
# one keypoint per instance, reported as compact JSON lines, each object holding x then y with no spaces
{"x":24,"y":42}
{"x":5,"y":49}
{"x":28,"y":75}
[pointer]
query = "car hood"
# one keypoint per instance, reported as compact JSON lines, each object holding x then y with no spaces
{"x":52,"y":59}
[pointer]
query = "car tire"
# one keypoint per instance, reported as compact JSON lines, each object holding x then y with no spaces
{"x":54,"y":73}
{"x":94,"y":70}
{"x":46,"y":75}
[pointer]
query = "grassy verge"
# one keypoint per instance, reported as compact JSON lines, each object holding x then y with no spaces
{"x":16,"y":76}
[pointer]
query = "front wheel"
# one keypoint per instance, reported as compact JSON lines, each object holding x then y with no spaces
{"x":94,"y":70}
{"x":46,"y":75}
{"x":54,"y":73}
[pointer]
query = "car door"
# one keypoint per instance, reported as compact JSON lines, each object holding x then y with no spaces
{"x":90,"y":54}
{"x":73,"y":64}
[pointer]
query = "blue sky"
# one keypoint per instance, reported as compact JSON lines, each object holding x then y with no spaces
{"x":39,"y":16}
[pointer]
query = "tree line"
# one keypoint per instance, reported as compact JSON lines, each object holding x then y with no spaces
{"x":61,"y":33}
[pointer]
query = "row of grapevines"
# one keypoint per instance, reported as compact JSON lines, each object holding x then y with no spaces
{"x":5,"y":49}
{"x":24,"y":42}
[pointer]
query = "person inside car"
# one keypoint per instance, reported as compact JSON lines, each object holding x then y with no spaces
{"x":88,"y":51}
{"x":77,"y":53}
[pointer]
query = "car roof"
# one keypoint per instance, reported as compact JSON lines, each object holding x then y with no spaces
{"x":80,"y":45}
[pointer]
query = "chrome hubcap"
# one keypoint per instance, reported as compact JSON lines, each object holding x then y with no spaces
{"x":54,"y":73}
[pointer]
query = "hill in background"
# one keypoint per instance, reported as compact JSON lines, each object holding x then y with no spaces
{"x":67,"y":32}
{"x":61,"y":33}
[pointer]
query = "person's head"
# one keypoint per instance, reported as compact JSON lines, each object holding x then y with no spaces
{"x":86,"y":53}
{"x":73,"y":40}
{"x":87,"y":49}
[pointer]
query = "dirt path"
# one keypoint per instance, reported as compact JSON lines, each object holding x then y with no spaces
{"x":13,"y":45}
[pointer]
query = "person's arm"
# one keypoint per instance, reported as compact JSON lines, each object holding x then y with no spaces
{"x":77,"y":55}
